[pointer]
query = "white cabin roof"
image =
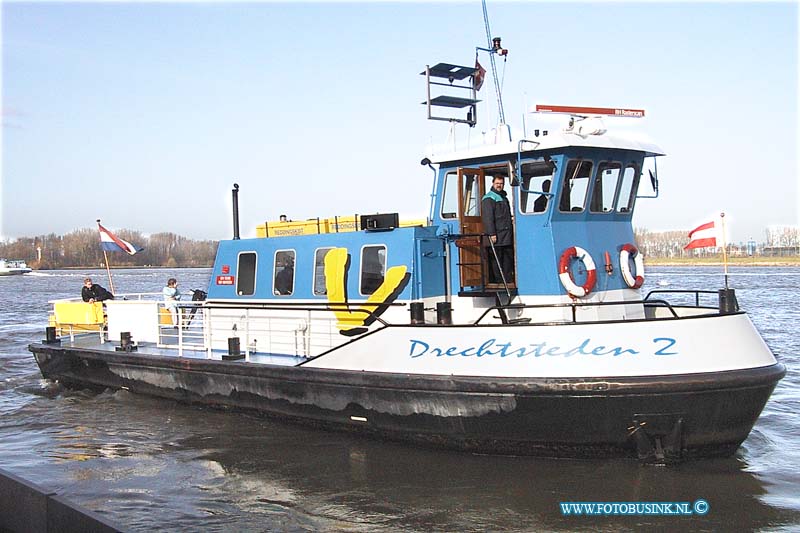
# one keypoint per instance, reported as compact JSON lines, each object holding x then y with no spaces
{"x":553,"y":140}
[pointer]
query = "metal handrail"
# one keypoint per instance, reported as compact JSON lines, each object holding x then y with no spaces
{"x":199,"y":329}
{"x":696,"y":293}
{"x":135,"y":296}
{"x":575,"y":305}
{"x":297,"y":306}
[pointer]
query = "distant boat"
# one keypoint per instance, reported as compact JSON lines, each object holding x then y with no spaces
{"x":12,"y":267}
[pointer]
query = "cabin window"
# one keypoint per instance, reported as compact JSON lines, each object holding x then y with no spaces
{"x":284,"y":273}
{"x":605,"y":187}
{"x":537,"y":177}
{"x":472,"y":195}
{"x":373,"y":268}
{"x":450,"y":196}
{"x":246,"y":274}
{"x":320,"y":288}
{"x":627,"y":189}
{"x":576,"y":183}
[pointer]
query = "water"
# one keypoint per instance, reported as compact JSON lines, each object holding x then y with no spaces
{"x":151,"y":464}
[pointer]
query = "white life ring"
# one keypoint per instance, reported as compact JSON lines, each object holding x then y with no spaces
{"x":564,"y":274}
{"x":634,"y":281}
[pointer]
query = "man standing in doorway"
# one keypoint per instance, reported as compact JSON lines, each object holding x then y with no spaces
{"x":496,"y":215}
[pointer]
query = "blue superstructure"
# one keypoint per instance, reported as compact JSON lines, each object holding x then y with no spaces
{"x":563,"y":195}
{"x":416,"y":247}
{"x":596,"y":225}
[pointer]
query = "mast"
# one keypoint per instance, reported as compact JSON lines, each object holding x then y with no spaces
{"x":493,"y":44}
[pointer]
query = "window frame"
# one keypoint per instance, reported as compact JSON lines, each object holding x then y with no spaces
{"x":522,"y":191}
{"x":275,"y":271}
{"x":455,"y":181}
{"x":361,"y":267}
{"x":601,"y":167}
{"x":565,"y":179}
{"x":314,"y":273}
{"x":634,"y":190}
{"x":254,"y":276}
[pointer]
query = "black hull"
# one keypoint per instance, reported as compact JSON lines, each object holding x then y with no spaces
{"x":655,"y":418}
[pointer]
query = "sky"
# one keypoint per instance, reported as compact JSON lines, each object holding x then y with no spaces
{"x":145,"y":114}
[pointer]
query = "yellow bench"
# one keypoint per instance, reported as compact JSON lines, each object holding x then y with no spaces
{"x":78,"y":316}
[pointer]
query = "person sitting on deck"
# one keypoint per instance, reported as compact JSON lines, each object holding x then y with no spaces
{"x":92,"y":292}
{"x":171,"y":298}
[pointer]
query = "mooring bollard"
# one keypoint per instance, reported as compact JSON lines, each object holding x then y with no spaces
{"x":234,"y":350}
{"x":444,"y":313}
{"x":50,"y":336}
{"x":125,"y":342}
{"x":727,"y":302}
{"x":417,"y":313}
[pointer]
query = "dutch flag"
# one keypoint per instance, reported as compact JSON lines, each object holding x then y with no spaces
{"x":112,"y":243}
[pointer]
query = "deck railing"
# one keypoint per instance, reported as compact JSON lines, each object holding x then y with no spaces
{"x":306,"y":329}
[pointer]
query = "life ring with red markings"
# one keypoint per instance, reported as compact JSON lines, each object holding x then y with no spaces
{"x":564,"y":274}
{"x":634,"y":280}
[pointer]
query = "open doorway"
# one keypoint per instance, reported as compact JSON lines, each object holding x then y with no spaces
{"x":474,"y":250}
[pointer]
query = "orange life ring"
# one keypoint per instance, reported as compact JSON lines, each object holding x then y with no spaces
{"x":634,"y":280}
{"x":564,"y":274}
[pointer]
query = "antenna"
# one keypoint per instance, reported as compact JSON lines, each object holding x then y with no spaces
{"x":494,"y":47}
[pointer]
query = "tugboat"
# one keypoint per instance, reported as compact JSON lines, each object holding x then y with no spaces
{"x":398,"y":329}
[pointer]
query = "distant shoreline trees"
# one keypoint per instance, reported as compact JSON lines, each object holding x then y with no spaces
{"x":780,"y":241}
{"x":81,"y":249}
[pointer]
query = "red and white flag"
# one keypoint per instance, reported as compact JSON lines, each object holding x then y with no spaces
{"x":703,"y":236}
{"x":480,"y":74}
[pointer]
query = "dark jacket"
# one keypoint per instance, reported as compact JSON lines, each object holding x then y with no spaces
{"x":496,"y":214}
{"x":97,"y":292}
{"x":284,"y":281}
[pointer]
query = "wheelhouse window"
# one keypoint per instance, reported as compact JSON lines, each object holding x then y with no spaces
{"x":373,"y":268}
{"x":246,"y":273}
{"x":472,"y":195}
{"x":450,"y":196}
{"x":284,"y":273}
{"x":320,"y":288}
{"x":576,"y":183}
{"x":605,"y":187}
{"x":537,"y":178}
{"x":628,"y":188}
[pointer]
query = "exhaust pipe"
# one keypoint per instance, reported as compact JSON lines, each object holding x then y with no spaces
{"x":235,"y":193}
